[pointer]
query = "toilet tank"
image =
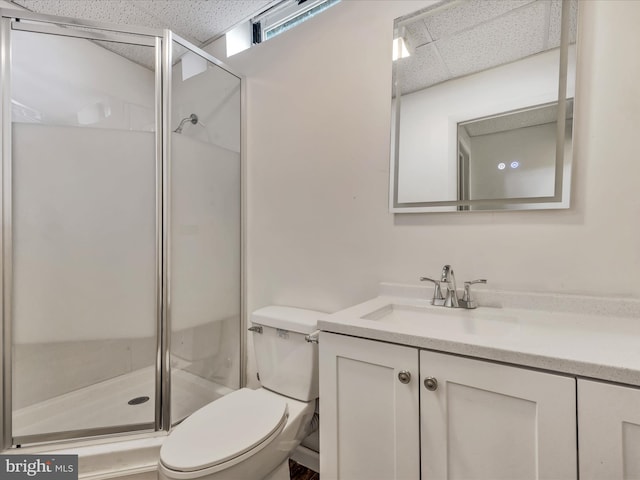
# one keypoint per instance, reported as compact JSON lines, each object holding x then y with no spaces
{"x":287,"y":363}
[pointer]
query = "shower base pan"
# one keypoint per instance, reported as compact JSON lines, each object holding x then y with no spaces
{"x":115,"y":402}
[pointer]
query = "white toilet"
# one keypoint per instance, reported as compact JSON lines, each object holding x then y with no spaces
{"x":249,"y":434}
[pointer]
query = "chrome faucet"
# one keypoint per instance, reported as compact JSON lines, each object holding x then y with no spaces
{"x":437,"y":299}
{"x":450,"y":299}
{"x":449,"y":278}
{"x":467,"y":301}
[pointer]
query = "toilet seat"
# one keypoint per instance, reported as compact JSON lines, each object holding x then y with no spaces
{"x":225,"y":430}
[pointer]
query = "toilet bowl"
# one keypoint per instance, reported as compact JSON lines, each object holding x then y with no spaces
{"x":245,"y":435}
{"x":249,"y":434}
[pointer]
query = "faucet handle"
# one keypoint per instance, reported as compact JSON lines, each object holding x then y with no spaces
{"x":467,"y":301}
{"x":438,"y":298}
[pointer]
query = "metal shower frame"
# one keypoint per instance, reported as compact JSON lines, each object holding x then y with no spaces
{"x":162,"y":41}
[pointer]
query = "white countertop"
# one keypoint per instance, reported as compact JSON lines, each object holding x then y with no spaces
{"x":584,"y":336}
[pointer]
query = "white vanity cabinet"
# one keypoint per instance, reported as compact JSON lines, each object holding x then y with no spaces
{"x":482,"y":420}
{"x":609,"y":431}
{"x":475,"y":420}
{"x":369,"y":418}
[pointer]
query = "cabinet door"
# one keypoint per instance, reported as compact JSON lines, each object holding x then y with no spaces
{"x":608,"y":431}
{"x":369,"y":426}
{"x":491,"y":421}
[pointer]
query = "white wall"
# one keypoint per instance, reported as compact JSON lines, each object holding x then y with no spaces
{"x":319,"y":232}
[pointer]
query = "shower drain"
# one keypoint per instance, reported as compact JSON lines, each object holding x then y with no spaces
{"x":138,"y":400}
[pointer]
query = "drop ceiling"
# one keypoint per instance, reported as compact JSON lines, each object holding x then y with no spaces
{"x":460,"y":38}
{"x":198,"y":21}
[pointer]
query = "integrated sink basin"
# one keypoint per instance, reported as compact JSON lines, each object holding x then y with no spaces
{"x":441,"y":320}
{"x":590,"y":336}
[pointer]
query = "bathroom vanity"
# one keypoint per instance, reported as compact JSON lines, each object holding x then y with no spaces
{"x":412,"y":390}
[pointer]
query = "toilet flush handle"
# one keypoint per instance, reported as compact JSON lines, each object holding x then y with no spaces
{"x":313,"y":337}
{"x":256,"y":329}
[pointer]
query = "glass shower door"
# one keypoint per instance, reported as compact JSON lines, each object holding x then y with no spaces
{"x":85,"y":229}
{"x":205,"y":219}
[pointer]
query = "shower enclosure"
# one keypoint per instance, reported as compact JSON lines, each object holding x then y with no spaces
{"x":121,"y":233}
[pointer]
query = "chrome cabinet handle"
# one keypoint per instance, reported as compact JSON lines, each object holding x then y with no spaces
{"x":431,"y":384}
{"x":404,"y":376}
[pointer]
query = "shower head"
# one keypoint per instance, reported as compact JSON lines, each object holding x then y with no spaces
{"x":193,"y":118}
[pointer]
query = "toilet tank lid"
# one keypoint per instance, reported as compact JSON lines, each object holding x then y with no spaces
{"x":288,"y":318}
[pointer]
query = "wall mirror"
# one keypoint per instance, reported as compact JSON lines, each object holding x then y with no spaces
{"x":483,"y":106}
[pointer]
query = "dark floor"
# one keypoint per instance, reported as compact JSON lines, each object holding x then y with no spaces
{"x":298,"y":472}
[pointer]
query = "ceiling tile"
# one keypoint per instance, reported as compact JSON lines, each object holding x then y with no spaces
{"x":422,"y":69}
{"x":144,"y":56}
{"x":113,"y":11}
{"x":507,"y":38}
{"x":416,"y":34}
{"x":555,"y":22}
{"x":196,"y":20}
{"x":201,"y":20}
{"x":461,"y":16}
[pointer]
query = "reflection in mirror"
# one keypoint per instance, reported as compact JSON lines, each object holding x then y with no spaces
{"x":478,"y":84}
{"x":511,"y":155}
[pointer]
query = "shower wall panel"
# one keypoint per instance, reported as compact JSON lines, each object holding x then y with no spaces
{"x":84,"y":261}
